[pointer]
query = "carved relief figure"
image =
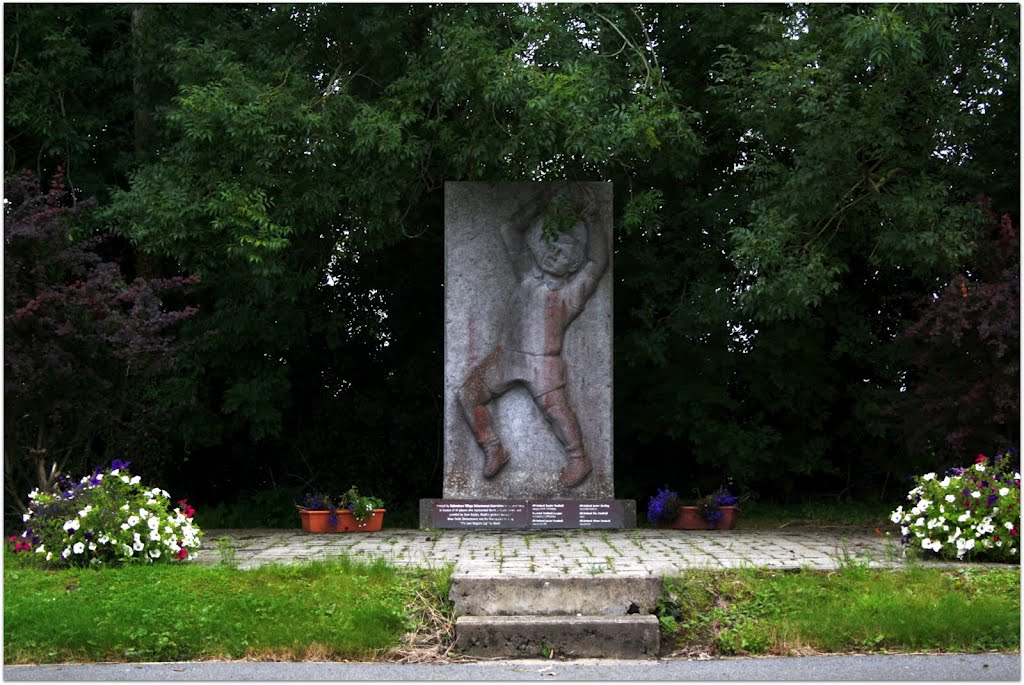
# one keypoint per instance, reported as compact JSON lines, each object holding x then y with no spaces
{"x":555,"y":278}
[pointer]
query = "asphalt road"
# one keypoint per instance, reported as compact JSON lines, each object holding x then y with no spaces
{"x":948,"y":667}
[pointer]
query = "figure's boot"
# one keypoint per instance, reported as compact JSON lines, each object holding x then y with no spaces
{"x":495,"y":458}
{"x":575,"y":472}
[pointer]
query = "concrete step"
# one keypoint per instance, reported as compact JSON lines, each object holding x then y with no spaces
{"x":612,"y":637}
{"x":554,"y":595}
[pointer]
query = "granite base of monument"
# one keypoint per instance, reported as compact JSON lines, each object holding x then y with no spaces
{"x":507,"y":514}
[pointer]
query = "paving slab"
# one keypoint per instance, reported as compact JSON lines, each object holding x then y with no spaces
{"x":575,"y":553}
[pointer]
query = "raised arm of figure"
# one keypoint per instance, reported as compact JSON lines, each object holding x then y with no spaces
{"x":514,"y":230}
{"x":599,"y":246}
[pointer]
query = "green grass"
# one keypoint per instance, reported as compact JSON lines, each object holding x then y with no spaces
{"x":346,"y":610}
{"x":324,"y":610}
{"x":855,"y":609}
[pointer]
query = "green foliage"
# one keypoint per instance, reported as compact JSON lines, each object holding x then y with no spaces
{"x":789,"y":180}
{"x":361,"y":505}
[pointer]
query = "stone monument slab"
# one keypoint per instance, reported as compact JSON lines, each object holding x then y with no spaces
{"x":528,"y":341}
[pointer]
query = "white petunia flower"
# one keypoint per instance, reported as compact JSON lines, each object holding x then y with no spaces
{"x":944,"y":482}
{"x":975,"y":494}
{"x":138,"y":546}
{"x":1003,"y":492}
{"x":135,"y":480}
{"x":929,"y":476}
{"x":73,"y":524}
{"x":154,"y":535}
{"x":66,"y":553}
{"x":125,"y":479}
{"x":153,"y":523}
{"x":950,"y":498}
{"x":49,"y":555}
{"x":26,"y":517}
{"x":979,"y":468}
{"x":154,"y":553}
{"x":40,"y":549}
{"x":132,"y":520}
{"x":78,"y":548}
{"x":92,"y":546}
{"x":125,"y":526}
{"x":1009,"y":525}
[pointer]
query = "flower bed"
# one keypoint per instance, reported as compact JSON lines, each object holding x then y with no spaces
{"x":970,"y":513}
{"x":108,"y":517}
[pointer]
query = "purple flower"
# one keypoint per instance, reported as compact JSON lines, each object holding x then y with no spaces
{"x":117,"y":464}
{"x":663,"y":507}
{"x":992,"y":499}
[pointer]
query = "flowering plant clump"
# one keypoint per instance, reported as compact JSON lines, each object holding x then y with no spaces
{"x":711,"y":506}
{"x":971,"y":512}
{"x":361,"y":506}
{"x":664,"y":507}
{"x":108,"y":517}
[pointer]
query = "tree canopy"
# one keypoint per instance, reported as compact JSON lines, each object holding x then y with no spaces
{"x":804,"y":192}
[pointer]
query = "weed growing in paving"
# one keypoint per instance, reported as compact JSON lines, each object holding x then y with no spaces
{"x":853,"y":609}
{"x":227,"y":551}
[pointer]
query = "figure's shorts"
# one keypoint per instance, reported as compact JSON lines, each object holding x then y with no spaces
{"x":540,"y":373}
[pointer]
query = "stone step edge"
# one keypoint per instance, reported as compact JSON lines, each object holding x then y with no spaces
{"x":558,"y":596}
{"x":636,"y":636}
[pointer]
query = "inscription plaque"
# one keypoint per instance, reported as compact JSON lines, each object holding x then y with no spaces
{"x":529,"y":514}
{"x":478,"y":514}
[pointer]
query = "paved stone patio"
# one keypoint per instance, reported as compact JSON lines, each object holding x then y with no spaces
{"x":640,"y":552}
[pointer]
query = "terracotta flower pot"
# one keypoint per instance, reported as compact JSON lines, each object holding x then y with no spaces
{"x":320,"y":521}
{"x":689,"y":518}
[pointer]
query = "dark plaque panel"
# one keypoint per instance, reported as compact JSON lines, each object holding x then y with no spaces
{"x":528,"y":514}
{"x":477,"y":514}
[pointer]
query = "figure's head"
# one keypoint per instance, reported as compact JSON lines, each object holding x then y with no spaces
{"x":561,"y":257}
